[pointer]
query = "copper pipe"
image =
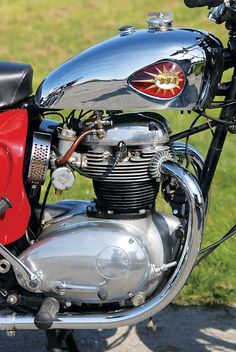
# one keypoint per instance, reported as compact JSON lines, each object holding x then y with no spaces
{"x":74,"y":146}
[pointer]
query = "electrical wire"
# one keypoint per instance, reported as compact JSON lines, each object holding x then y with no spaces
{"x":89,"y":119}
{"x":223,"y":122}
{"x":221,"y":104}
{"x":204,"y":253}
{"x":82,"y":113}
{"x":210,"y":127}
{"x":187,"y":139}
{"x":70,"y":117}
{"x":121,"y":149}
{"x":43,"y":206}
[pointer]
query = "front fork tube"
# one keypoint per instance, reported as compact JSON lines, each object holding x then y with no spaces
{"x":217,"y":142}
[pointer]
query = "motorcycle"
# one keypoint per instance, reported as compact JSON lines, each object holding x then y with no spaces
{"x":114,"y":260}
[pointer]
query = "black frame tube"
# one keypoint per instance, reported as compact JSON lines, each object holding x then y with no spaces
{"x":202,"y":3}
{"x":192,"y":131}
{"x":218,"y":141}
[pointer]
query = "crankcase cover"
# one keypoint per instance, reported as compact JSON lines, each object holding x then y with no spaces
{"x":91,"y":262}
{"x":105,"y":77}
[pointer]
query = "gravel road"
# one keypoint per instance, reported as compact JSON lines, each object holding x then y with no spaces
{"x":177,"y":329}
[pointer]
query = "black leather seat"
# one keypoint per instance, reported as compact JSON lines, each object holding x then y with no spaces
{"x":15,"y":83}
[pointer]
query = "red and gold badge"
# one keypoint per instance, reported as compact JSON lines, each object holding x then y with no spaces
{"x":164,"y":80}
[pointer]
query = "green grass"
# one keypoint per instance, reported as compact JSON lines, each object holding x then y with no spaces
{"x":46,"y":33}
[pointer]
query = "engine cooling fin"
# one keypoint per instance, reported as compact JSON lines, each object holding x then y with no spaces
{"x":136,"y":169}
{"x":127,"y":186}
{"x":121,"y":197}
{"x":160,"y":156}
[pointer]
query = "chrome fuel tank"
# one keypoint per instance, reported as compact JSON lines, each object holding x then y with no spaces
{"x":100,"y":78}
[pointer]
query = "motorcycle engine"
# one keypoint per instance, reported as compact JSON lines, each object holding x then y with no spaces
{"x":123,"y":164}
{"x":115,"y":248}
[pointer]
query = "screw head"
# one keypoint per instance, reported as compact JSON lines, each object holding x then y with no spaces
{"x":138,"y":299}
{"x":12,"y":299}
{"x":4,"y":266}
{"x":33,"y":283}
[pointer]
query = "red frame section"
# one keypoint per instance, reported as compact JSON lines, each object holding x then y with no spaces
{"x":13,"y":133}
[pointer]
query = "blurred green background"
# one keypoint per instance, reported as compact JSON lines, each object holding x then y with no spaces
{"x":46,"y":33}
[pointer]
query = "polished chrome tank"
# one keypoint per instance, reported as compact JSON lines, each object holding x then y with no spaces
{"x":100,"y":77}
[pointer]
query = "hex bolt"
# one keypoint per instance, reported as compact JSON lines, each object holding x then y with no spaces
{"x":138,"y":300}
{"x":59,"y":289}
{"x":33,"y":283}
{"x":12,"y":299}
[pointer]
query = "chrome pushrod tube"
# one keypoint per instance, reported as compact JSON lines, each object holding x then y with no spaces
{"x":157,"y":302}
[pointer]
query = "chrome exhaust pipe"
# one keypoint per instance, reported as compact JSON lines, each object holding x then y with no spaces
{"x":157,"y":302}
{"x":196,"y":160}
{"x":195,"y":157}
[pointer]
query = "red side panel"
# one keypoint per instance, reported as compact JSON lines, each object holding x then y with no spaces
{"x":13,"y":131}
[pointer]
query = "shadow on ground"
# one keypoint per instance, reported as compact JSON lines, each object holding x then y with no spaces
{"x":178,"y":329}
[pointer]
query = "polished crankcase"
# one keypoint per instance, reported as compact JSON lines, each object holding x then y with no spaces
{"x":84,"y":259}
{"x":187,"y":66}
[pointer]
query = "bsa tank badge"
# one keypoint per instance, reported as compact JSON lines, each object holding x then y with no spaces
{"x":164,"y":80}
